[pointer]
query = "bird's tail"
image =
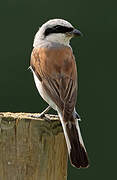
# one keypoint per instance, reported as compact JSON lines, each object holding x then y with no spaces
{"x":76,"y":149}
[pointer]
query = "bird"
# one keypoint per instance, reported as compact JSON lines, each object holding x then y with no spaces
{"x":54,"y":69}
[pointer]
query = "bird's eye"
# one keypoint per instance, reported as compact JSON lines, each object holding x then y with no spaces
{"x":48,"y":31}
{"x":58,"y":29}
{"x":63,"y":29}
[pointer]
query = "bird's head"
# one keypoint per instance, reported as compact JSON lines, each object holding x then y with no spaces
{"x":56,"y":30}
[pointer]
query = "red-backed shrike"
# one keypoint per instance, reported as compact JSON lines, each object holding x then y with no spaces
{"x":55,"y":74}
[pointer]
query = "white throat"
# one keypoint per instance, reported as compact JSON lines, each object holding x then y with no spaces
{"x":59,"y":38}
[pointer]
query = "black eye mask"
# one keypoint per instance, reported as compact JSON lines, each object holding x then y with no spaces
{"x":58,"y":29}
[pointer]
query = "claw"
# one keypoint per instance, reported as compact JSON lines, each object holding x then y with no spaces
{"x":41,"y":115}
{"x":37,"y":116}
{"x":76,"y":115}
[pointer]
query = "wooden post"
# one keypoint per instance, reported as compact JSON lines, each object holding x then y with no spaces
{"x":31,"y":149}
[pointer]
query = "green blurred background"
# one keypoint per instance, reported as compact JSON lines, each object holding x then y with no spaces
{"x":95,"y":57}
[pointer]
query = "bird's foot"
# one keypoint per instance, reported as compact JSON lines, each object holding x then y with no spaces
{"x":42,"y":115}
{"x":78,"y":116}
{"x":37,"y":116}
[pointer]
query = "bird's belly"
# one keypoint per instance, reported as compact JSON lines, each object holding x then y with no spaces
{"x":43,"y":93}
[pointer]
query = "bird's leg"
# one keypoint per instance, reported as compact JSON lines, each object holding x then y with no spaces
{"x":42,"y":114}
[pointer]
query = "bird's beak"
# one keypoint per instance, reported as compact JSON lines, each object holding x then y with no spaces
{"x":76,"y":32}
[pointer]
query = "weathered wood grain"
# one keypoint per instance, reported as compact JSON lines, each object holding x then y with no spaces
{"x":31,"y":149}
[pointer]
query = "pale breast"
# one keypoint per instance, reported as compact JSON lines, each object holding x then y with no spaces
{"x":42,"y":92}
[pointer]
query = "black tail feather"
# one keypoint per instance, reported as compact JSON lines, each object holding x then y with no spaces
{"x":78,"y":154}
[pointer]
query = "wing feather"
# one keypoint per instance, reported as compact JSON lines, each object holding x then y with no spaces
{"x":61,"y":83}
